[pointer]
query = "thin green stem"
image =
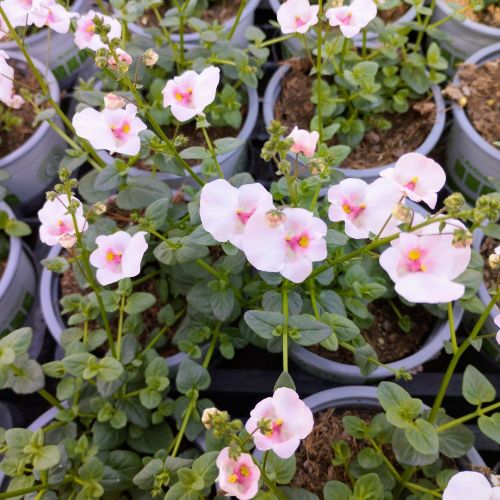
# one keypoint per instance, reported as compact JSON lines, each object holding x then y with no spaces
{"x":241,"y":8}
{"x":284,"y":293}
{"x":345,"y":43}
{"x":278,"y":39}
{"x":120,"y":327}
{"x":453,"y":333}
{"x":312,"y":293}
{"x":319,"y":71}
{"x":470,"y":416}
{"x":212,"y":152}
{"x":51,"y":399}
{"x":209,"y":269}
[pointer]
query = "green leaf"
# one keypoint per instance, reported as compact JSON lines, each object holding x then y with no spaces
{"x":264,"y":323}
{"x":368,"y":487}
{"x":139,"y":302}
{"x":406,"y":454}
{"x":109,"y":369}
{"x":368,"y":458}
{"x":222,"y":303}
{"x":195,"y":153}
{"x":355,"y":426}
{"x":284,"y":380}
{"x":456,"y":441}
{"x":279,"y":469}
{"x":490,"y":426}
{"x":311,"y":330}
{"x":46,"y":458}
{"x":205,"y":467}
{"x":423,"y":437}
{"x":343,"y":328}
{"x":18,"y":341}
{"x":336,"y":490}
{"x":227,"y":144}
{"x":140,"y":192}
{"x":191,"y":376}
{"x":476,"y":388}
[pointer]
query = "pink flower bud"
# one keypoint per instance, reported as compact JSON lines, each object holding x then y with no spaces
{"x":113,"y":101}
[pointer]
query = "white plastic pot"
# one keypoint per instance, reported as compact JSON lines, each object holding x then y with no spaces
{"x":33,"y":166}
{"x":17,"y":285}
{"x":193,"y":39}
{"x":57,"y":50}
{"x":465,"y":38}
{"x":470,"y":159}
{"x":369,"y":174}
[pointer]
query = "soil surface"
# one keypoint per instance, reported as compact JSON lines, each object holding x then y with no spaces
{"x":489,"y":16}
{"x":481,"y":86}
{"x":489,"y":275}
{"x":385,"y":336}
{"x":315,"y":453}
{"x":219,"y":10}
{"x":408,"y":131}
{"x":13,"y":139}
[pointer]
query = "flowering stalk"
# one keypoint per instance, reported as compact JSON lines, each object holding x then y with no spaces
{"x":212,"y":152}
{"x":319,"y":70}
{"x":284,"y":293}
{"x":241,"y":8}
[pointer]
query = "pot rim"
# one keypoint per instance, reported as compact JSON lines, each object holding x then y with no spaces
{"x":429,"y":349}
{"x":430,"y":141}
{"x":468,"y":23}
{"x":44,"y":127}
{"x":195,"y":37}
{"x":460,"y":116}
{"x":15,"y":248}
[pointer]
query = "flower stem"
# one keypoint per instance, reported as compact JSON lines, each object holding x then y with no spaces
{"x":469,"y":416}
{"x":453,"y":333}
{"x":284,"y":293}
{"x":120,"y":328}
{"x":212,"y":152}
{"x":275,"y":40}
{"x":319,"y":71}
{"x":241,"y":8}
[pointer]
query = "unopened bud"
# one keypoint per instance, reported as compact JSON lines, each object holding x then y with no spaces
{"x":67,"y":240}
{"x":207,"y":417}
{"x":275,"y":218}
{"x":402,"y":213}
{"x":99,"y":208}
{"x":17,"y":101}
{"x":113,"y":101}
{"x":454,"y":202}
{"x":462,"y":238}
{"x":494,"y":261}
{"x":101,"y":62}
{"x":150,"y":57}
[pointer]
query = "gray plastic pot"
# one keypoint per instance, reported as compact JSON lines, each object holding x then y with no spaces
{"x":366,"y":398}
{"x":351,"y":374}
{"x":465,"y":38}
{"x":231,"y":163}
{"x":58,"y":49}
{"x":6,"y":420}
{"x":295,"y":45}
{"x":370,"y":174}
{"x":17,"y":285}
{"x":33,"y":166}
{"x":490,"y":346}
{"x":470,"y":159}
{"x":193,"y":39}
{"x":49,"y":300}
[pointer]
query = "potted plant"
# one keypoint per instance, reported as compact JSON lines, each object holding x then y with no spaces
{"x":48,"y":36}
{"x":188,"y":23}
{"x":464,"y":28}
{"x":472,"y":151}
{"x":30,"y":150}
{"x":359,"y":94}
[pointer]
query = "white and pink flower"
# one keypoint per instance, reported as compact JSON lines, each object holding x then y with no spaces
{"x":118,"y":256}
{"x":7,"y":94}
{"x":51,"y":14}
{"x":115,"y":130}
{"x":57,"y":223}
{"x":365,"y":208}
{"x":225,"y":210}
{"x":122,"y":56}
{"x":297,"y":16}
{"x":423,"y":267}
{"x":352,"y":18}
{"x":290,"y":419}
{"x":304,"y":142}
{"x":189,"y":94}
{"x":85,"y":35}
{"x":286,"y":241}
{"x":113,"y":101}
{"x":470,"y":485}
{"x":417,"y":177}
{"x":238,"y":478}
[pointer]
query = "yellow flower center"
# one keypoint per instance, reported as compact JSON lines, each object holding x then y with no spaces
{"x":304,"y":241}
{"x":346,"y":208}
{"x":126,"y":128}
{"x":179,"y":96}
{"x":244,"y":471}
{"x":233,"y":478}
{"x":414,"y":255}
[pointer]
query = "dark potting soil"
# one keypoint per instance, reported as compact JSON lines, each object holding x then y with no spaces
{"x":13,"y":139}
{"x":314,"y":455}
{"x":408,"y":131}
{"x":489,"y":16}
{"x":218,"y":10}
{"x":481,"y":86}
{"x":489,"y":275}
{"x":385,"y":336}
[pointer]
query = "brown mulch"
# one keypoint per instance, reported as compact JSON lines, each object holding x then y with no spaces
{"x":13,"y":139}
{"x":409,"y":130}
{"x":385,"y":336}
{"x":489,"y":275}
{"x":481,"y":86}
{"x":489,"y":16}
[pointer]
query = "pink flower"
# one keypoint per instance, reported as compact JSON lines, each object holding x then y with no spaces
{"x":470,"y":486}
{"x":189,"y":94}
{"x":56,"y":223}
{"x":7,"y":95}
{"x":423,"y":267}
{"x":19,"y":12}
{"x":115,"y":130}
{"x":352,"y":18}
{"x":225,"y":210}
{"x":417,"y":177}
{"x":297,"y":16}
{"x":238,"y":478}
{"x":85,"y":35}
{"x":303,"y":141}
{"x":291,"y":421}
{"x":364,"y":208}
{"x":113,"y":101}
{"x":50,"y":13}
{"x":118,"y":256}
{"x":122,"y":57}
{"x":497,"y":322}
{"x":288,"y":242}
